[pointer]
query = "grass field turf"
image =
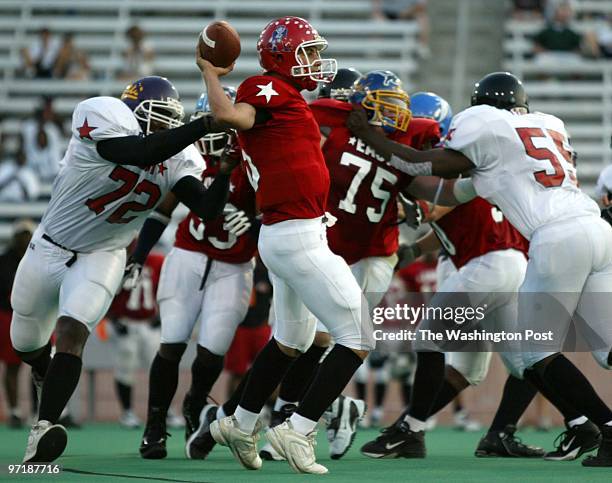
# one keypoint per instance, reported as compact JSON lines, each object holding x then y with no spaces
{"x":105,"y":452}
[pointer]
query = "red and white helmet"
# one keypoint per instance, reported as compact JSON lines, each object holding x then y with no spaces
{"x":285,"y":47}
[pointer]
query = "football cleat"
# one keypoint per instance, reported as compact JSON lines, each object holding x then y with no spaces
{"x":341,"y":420}
{"x":153,"y":445}
{"x":200,"y":442}
{"x":268,"y":452}
{"x":243,"y":445}
{"x":574,"y":442}
{"x":397,"y":441}
{"x":173,"y":420}
{"x":191,"y":414}
{"x":604,"y":453}
{"x":46,"y":442}
{"x":129,"y":420}
{"x":464,"y":423}
{"x":505,"y":444}
{"x":296,"y":448}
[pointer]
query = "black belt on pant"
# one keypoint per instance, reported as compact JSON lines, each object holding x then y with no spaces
{"x":70,"y":262}
{"x":206,"y":272}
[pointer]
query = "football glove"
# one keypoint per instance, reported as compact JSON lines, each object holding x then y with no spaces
{"x":407,"y":254}
{"x":413,"y":211}
{"x":231,"y":155}
{"x":131,"y":275}
{"x":236,"y":221}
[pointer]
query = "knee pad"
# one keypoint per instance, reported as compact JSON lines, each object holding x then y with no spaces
{"x":603,"y":358}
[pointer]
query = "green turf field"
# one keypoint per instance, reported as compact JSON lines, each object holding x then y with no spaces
{"x":104,"y":453}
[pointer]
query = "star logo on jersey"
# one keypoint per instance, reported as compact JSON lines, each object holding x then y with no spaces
{"x":161,"y":168}
{"x":267,"y":91}
{"x":85,"y":129}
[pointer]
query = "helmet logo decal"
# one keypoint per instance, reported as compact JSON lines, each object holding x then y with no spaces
{"x":389,"y":78}
{"x":279,"y":34}
{"x":131,"y":91}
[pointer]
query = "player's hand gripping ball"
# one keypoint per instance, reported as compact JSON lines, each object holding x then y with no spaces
{"x":219,"y":44}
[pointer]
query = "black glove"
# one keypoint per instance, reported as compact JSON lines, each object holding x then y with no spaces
{"x":412,"y":211}
{"x":407,"y":254}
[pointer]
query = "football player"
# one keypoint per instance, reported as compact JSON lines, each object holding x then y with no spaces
{"x":123,"y":157}
{"x":207,"y":277}
{"x":341,"y":87}
{"x":134,"y":317}
{"x":522,"y":163}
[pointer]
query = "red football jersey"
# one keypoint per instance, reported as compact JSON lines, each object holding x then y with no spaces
{"x":476,"y":228}
{"x":420,"y":276}
{"x":364,"y":188}
{"x":210,"y":238}
{"x":139,"y":303}
{"x":282,"y":155}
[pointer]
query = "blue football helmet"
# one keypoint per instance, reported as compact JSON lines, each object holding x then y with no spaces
{"x":432,"y":106}
{"x":155,"y":103}
{"x":380,"y":92}
{"x":211,"y":144}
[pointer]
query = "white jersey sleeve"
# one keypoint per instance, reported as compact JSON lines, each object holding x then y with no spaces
{"x":189,"y":162}
{"x":101,"y":118}
{"x":470,"y":135}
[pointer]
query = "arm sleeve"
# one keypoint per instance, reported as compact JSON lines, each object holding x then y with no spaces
{"x":149,"y":235}
{"x":206,"y":203}
{"x":155,"y":148}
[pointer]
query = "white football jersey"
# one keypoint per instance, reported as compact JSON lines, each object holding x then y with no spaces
{"x":98,"y":205}
{"x":523,"y":165}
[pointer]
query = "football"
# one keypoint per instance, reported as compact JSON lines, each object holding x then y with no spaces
{"x":219,"y":43}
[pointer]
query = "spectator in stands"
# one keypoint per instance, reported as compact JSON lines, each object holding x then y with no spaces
{"x":524,"y":9}
{"x":18,"y":183}
{"x":600,"y":40}
{"x":138,"y":55}
{"x":39,"y":58}
{"x":71,"y":62}
{"x":9,"y":260}
{"x":41,"y":142}
{"x":558,"y":41}
{"x":406,"y":10}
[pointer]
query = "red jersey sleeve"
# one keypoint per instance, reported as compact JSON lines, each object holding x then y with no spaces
{"x":420,"y":132}
{"x":330,"y":112}
{"x":263,"y":92}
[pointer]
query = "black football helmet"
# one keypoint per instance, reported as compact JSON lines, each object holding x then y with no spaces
{"x":500,"y":89}
{"x":340,"y":87}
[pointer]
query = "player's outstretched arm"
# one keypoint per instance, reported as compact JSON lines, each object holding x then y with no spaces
{"x":439,"y":162}
{"x":442,"y":192}
{"x":239,"y":116}
{"x":153,"y":228}
{"x":157,"y":147}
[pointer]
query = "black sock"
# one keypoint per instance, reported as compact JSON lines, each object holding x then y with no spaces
{"x":229,"y":407}
{"x":566,"y":409}
{"x":301,"y":374}
{"x":41,"y":363}
{"x":406,"y":392}
{"x":163,"y":381}
{"x":333,"y":376}
{"x":428,"y":380}
{"x":517,"y":395}
{"x":447,"y":393}
{"x":60,"y":382}
{"x":380,"y":389}
{"x":205,"y":370}
{"x":360,"y":388}
{"x":572,"y":386}
{"x":124,"y":392}
{"x":267,"y":372}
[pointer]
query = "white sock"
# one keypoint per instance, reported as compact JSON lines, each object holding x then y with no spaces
{"x":220,"y":413}
{"x":301,"y":424}
{"x":609,"y":423}
{"x":246,"y":419}
{"x":281,"y":402}
{"x":577,"y":421}
{"x":415,"y":424}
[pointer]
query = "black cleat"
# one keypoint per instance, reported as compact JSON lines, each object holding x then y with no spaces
{"x":201,"y":442}
{"x":268,"y":453}
{"x":604,"y":453}
{"x":505,"y":444}
{"x":574,"y":442}
{"x":153,"y":445}
{"x":397,"y":441}
{"x":191,"y":413}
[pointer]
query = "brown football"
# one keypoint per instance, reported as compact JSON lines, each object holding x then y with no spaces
{"x":219,"y":43}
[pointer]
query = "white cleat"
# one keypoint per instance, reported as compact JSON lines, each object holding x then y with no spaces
{"x":173,"y":420}
{"x":243,"y":445}
{"x":297,"y":449}
{"x":46,"y":442}
{"x":341,"y":421}
{"x":129,"y":420}
{"x":268,"y":453}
